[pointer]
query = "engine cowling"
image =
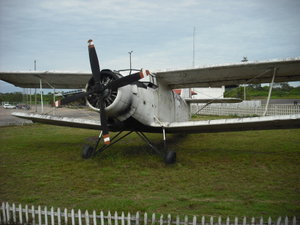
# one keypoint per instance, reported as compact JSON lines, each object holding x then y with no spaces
{"x":117,"y":102}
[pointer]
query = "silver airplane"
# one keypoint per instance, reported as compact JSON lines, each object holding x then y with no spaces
{"x":145,"y":102}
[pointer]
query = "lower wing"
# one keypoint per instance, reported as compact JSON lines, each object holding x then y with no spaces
{"x":236,"y":124}
{"x":202,"y":126}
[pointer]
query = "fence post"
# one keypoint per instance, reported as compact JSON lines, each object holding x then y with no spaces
{"x":286,"y":221}
{"x":94,"y":218}
{"x":52,"y":216}
{"x":4,"y":213}
{"x":26,"y":214}
{"x":245,"y":220}
{"x":46,"y":215}
{"x":39,"y":214}
{"x":128,"y":219}
{"x":227,"y":220}
{"x":79,"y":217}
{"x":261,"y":222}
{"x":278,"y":221}
{"x":87,"y":218}
{"x":169,"y":219}
{"x":116,"y":218}
{"x":253,"y":221}
{"x":186,"y":220}
{"x":161,"y":220}
{"x":145,"y":218}
{"x":66,"y":215}
{"x":203,"y":220}
{"x":194,"y":220}
{"x":73,"y":217}
{"x":109,"y":218}
{"x":294,"y":220}
{"x":269,"y":221}
{"x":58,"y":216}
{"x":177,"y":220}
{"x":153,"y":219}
{"x":236,"y":220}
{"x":20,"y":214}
{"x":137,"y":218}
{"x":220,"y":220}
{"x":14,"y":212}
{"x":33,"y":214}
{"x":7,"y":213}
{"x":211,"y":220}
{"x":102,"y":218}
{"x":123,"y":218}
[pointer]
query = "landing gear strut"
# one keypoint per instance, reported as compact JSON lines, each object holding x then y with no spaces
{"x":169,"y":157}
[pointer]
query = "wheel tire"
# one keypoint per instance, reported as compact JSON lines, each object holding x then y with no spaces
{"x":87,"y":151}
{"x":170,"y":157}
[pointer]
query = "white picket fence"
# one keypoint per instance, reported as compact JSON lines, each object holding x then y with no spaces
{"x":233,"y":109}
{"x":16,"y":214}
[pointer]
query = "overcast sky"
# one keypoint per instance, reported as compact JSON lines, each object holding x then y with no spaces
{"x":159,"y":32}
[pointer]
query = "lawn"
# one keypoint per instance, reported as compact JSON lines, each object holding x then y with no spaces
{"x":254,"y":173}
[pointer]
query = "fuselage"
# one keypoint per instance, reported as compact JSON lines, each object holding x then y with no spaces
{"x":145,"y":104}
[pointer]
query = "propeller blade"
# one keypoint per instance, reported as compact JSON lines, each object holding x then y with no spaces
{"x":103,"y":119}
{"x":94,"y":61}
{"x":72,"y":98}
{"x":127,"y":80}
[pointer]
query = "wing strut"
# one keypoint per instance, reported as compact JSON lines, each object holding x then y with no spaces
{"x":270,"y":90}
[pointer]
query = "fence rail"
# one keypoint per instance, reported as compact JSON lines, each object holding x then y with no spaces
{"x":16,"y":214}
{"x":232,"y":109}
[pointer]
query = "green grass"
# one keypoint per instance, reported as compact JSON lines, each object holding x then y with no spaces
{"x":240,"y":173}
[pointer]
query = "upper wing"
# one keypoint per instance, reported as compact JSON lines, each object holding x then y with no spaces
{"x":57,"y":80}
{"x":237,"y":124}
{"x":215,"y":76}
{"x":241,"y":73}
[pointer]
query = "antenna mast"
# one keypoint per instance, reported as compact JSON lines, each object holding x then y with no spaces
{"x":194,"y":33}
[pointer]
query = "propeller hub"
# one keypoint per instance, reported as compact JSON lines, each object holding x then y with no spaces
{"x":101,"y":91}
{"x":105,"y":93}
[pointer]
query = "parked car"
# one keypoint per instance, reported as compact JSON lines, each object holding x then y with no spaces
{"x":23,"y":106}
{"x":9,"y":106}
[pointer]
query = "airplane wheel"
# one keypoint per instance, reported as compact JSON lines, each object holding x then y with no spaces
{"x":87,"y":151}
{"x":170,"y":157}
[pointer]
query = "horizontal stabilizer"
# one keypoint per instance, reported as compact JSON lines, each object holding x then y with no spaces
{"x":214,"y":100}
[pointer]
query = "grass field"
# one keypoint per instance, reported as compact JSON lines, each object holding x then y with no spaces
{"x":253,"y":173}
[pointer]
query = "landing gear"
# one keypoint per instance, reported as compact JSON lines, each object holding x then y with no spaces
{"x":87,"y":151}
{"x":170,"y":157}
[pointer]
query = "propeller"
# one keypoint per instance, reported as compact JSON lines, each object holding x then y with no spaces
{"x":99,"y":88}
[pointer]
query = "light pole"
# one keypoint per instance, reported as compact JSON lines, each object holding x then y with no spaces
{"x":130,"y":60}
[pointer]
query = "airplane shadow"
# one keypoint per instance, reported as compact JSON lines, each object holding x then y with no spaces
{"x":131,"y":148}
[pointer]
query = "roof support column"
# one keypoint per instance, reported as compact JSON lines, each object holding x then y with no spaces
{"x":270,"y":91}
{"x":41,"y":92}
{"x":30,"y":97}
{"x":35,"y":100}
{"x":54,"y":101}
